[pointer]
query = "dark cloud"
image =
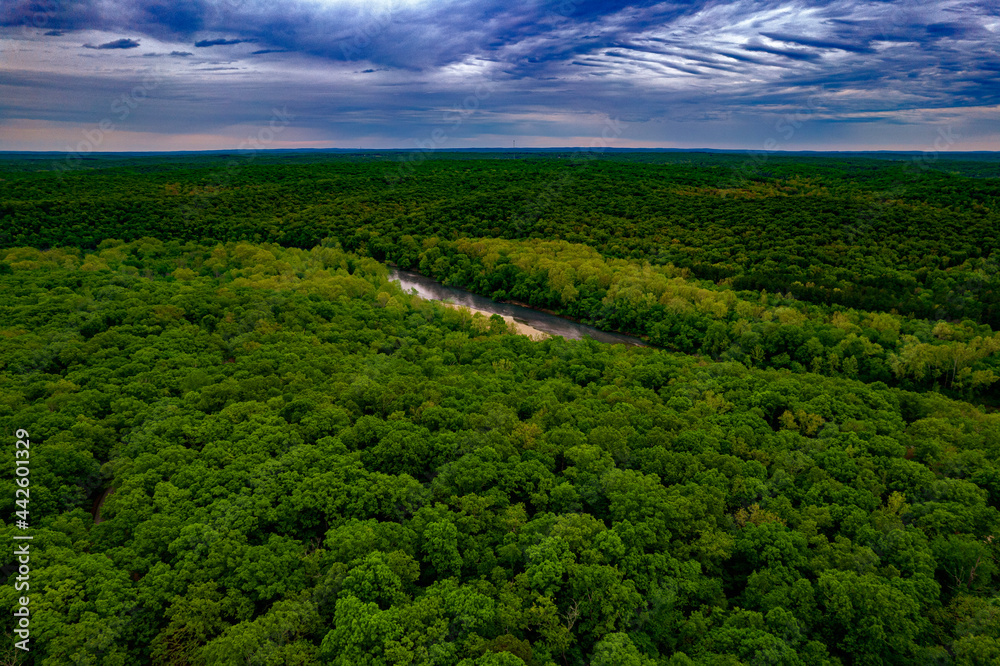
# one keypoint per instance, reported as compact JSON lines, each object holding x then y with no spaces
{"x":743,"y":58}
{"x":55,"y":33}
{"x":951,"y":30}
{"x":174,"y":17}
{"x":788,"y":53}
{"x":157,"y":18}
{"x":173,"y":54}
{"x":117,"y":44}
{"x":263,"y":51}
{"x":51,"y":15}
{"x":221,"y":42}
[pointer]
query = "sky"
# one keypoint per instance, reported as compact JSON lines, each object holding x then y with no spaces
{"x":119,"y":75}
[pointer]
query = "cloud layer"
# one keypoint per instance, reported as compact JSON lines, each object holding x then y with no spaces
{"x":793,"y":75}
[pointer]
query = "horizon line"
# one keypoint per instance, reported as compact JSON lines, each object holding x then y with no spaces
{"x":490,"y":149}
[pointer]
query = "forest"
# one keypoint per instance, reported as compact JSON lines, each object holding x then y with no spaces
{"x":249,"y":446}
{"x":863,"y":233}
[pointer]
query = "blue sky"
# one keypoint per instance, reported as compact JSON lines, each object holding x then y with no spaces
{"x":220,"y":74}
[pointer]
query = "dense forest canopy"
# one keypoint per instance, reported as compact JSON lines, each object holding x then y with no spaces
{"x":881,"y":269}
{"x":913,"y":235}
{"x":250,"y":447}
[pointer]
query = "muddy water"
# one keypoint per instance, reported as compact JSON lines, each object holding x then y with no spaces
{"x":525,"y":318}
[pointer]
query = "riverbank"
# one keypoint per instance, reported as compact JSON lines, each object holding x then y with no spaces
{"x":643,"y":339}
{"x":535,"y":323}
{"x":513,"y":326}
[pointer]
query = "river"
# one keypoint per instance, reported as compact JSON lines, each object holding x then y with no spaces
{"x":542,"y":321}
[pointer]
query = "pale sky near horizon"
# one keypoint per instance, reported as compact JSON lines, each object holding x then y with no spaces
{"x":217,"y":74}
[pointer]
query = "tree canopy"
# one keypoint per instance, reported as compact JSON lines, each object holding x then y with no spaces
{"x":310,"y":466}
